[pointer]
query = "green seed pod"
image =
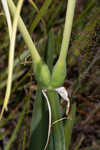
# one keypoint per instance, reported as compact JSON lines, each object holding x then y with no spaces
{"x":58,"y":74}
{"x":42,"y":74}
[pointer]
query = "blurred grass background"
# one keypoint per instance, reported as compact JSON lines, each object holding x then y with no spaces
{"x":83,"y":77}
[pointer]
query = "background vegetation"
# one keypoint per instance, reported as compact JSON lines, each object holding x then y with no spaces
{"x":83,"y":72}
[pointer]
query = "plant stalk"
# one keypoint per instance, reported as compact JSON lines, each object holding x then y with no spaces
{"x":67,"y":29}
{"x":35,"y":55}
{"x":57,"y":129}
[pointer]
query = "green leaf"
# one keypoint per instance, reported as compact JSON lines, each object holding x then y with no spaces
{"x":57,"y":129}
{"x":37,"y":111}
{"x":39,"y":127}
{"x":8,"y":17}
{"x":69,"y":126}
{"x":26,"y":36}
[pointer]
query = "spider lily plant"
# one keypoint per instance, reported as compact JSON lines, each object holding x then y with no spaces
{"x":45,"y":134}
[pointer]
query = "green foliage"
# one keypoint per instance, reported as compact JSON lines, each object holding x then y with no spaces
{"x":39,"y":124}
{"x":47,"y":24}
{"x":69,"y":126}
{"x":57,"y":129}
{"x":44,"y":80}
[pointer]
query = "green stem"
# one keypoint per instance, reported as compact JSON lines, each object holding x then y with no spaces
{"x":8,"y":17}
{"x":67,"y":29}
{"x":59,"y":70}
{"x":35,"y":55}
{"x":11,"y":57}
{"x":57,"y":129}
{"x":41,"y":70}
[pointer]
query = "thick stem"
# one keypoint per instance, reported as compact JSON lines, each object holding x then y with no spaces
{"x":57,"y":129}
{"x":35,"y":56}
{"x":59,"y":70}
{"x":67,"y":29}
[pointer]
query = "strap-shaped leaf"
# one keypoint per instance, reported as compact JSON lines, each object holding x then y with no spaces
{"x":11,"y":56}
{"x":57,"y":129}
{"x":69,"y":126}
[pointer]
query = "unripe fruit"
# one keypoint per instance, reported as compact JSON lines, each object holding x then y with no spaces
{"x":58,"y":74}
{"x":42,"y":74}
